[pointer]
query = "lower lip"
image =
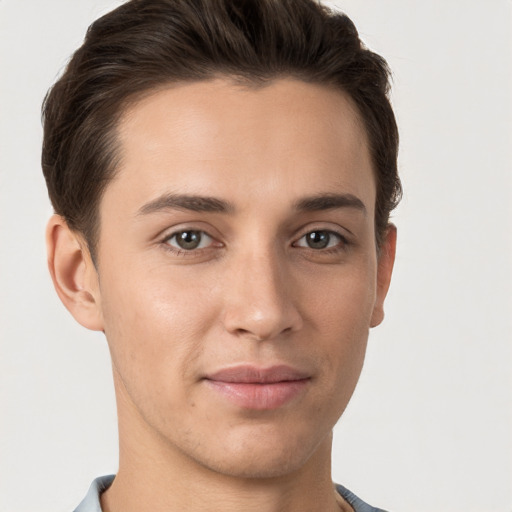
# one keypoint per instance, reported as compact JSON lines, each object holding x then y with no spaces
{"x":260,"y":397}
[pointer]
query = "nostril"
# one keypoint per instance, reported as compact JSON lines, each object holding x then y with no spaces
{"x":260,"y":309}
{"x":261,"y":334}
{"x":245,"y":333}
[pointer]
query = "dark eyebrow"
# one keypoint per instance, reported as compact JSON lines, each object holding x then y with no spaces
{"x":186,"y":202}
{"x":330,"y":201}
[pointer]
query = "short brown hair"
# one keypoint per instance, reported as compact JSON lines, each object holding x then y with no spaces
{"x":144,"y":44}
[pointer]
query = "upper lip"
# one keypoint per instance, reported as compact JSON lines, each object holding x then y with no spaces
{"x":250,"y":374}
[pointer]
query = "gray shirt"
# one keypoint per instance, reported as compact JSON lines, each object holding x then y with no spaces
{"x":91,"y":503}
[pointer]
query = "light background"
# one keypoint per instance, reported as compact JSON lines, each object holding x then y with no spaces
{"x":429,"y":428}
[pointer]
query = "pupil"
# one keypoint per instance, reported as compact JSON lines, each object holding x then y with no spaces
{"x":189,"y":239}
{"x":318,"y":239}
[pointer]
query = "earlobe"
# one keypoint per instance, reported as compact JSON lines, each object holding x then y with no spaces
{"x":73,"y":273}
{"x":384,"y":270}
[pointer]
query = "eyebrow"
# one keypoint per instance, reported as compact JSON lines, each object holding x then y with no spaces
{"x":198,"y":203}
{"x":186,"y":202}
{"x":330,"y":201}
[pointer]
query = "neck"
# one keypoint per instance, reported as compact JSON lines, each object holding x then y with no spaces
{"x":155,"y":476}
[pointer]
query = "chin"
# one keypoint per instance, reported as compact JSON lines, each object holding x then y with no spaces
{"x":258,"y":466}
{"x":265,"y":456}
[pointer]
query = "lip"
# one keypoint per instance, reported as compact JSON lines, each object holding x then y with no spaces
{"x":256,"y":388}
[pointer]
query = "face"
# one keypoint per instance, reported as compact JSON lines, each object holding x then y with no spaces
{"x":238,"y":273}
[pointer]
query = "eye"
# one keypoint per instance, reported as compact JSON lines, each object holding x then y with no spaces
{"x":188,"y":240}
{"x":320,"y":239}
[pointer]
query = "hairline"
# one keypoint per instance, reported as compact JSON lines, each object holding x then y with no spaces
{"x":256,"y":82}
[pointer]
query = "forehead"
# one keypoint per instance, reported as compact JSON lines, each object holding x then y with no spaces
{"x":219,"y":138}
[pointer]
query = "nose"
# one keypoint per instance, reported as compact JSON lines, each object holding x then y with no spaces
{"x":259,"y":298}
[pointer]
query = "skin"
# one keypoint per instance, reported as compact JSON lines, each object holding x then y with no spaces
{"x":253,"y":292}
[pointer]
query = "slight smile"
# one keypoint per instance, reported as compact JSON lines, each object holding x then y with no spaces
{"x":256,"y":388}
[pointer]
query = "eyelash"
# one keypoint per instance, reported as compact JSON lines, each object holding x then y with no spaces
{"x":342,"y":244}
{"x":187,"y":252}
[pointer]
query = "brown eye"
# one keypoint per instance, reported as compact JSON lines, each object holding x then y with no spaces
{"x":189,"y":240}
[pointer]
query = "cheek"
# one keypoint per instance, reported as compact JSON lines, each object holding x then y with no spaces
{"x":341,"y":317}
{"x":343,"y":302}
{"x":154,"y":325}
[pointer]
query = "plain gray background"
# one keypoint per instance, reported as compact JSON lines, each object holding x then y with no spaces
{"x":430,"y":425}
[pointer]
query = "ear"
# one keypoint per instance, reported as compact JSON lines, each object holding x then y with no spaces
{"x":73,"y":273}
{"x":384,"y":271}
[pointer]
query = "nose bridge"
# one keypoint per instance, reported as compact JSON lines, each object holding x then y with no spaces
{"x":259,"y":300}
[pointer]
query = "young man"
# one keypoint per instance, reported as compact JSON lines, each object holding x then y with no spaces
{"x":222,"y":173}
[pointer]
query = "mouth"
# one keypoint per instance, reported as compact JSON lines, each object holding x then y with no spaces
{"x":251,"y":387}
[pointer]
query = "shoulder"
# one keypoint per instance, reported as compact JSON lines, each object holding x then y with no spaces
{"x":91,"y":502}
{"x":357,"y":503}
